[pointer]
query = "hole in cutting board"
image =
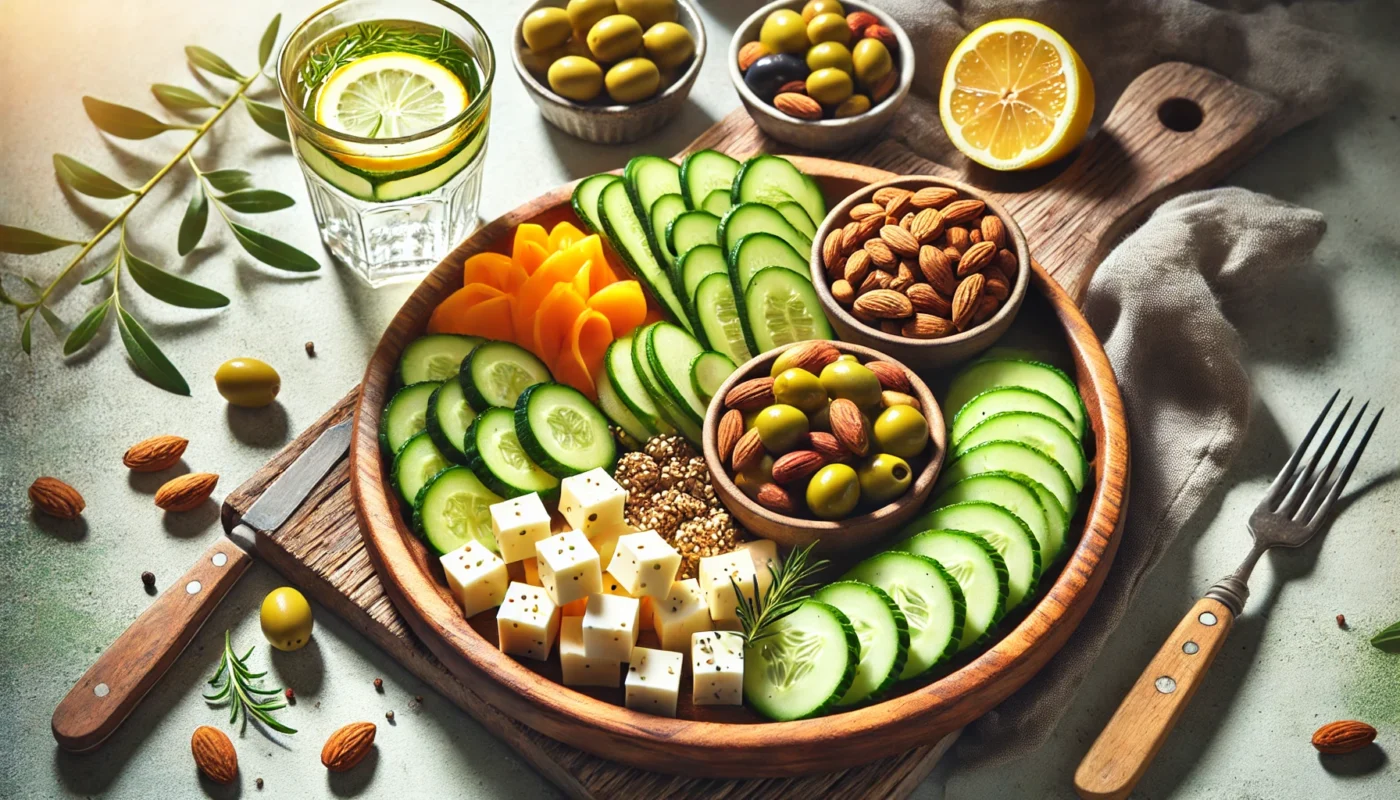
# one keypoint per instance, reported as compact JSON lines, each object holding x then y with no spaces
{"x":1180,"y":114}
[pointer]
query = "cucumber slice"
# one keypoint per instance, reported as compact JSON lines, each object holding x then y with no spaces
{"x":667,"y":408}
{"x":1001,"y":489}
{"x":1001,"y":529}
{"x":495,"y":374}
{"x":663,"y":212}
{"x":496,"y":456}
{"x":648,"y":178}
{"x":1008,"y":398}
{"x":717,"y":202}
{"x":671,"y":351}
{"x":882,"y":631}
{"x":928,"y":597}
{"x":334,"y":172}
{"x":692,"y":229}
{"x":436,"y":357}
{"x":781,"y":307}
{"x":1016,"y":458}
{"x":805,"y":666}
{"x":758,"y":250}
{"x":980,"y":376}
{"x":708,"y":372}
{"x":618,"y":412}
{"x":622,"y":374}
{"x":719,"y":317}
{"x":706,"y":172}
{"x":455,"y":508}
{"x":698,"y":262}
{"x":629,"y":237}
{"x":795,"y":214}
{"x":758,"y":218}
{"x":1056,"y":521}
{"x":415,"y":464}
{"x":772,"y":180}
{"x":1036,"y":430}
{"x":585,"y":199}
{"x":449,"y":416}
{"x":563,"y":431}
{"x":977,"y":567}
{"x":405,"y":415}
{"x":432,"y":177}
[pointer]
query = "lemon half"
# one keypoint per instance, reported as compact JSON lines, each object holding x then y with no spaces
{"x":1015,"y":95}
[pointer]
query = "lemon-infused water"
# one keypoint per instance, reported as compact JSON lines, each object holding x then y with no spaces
{"x":388,"y":104}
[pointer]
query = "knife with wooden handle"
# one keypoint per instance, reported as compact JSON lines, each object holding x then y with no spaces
{"x":111,"y":688}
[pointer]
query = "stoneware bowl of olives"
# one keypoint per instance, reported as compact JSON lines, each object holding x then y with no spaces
{"x":822,"y":75}
{"x":609,"y":71}
{"x":825,"y":442}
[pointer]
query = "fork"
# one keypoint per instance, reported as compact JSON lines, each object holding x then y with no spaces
{"x":1292,"y":511}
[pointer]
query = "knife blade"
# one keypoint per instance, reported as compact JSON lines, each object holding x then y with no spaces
{"x":132,"y":665}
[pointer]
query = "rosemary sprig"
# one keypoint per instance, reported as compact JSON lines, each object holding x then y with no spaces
{"x":790,"y":587}
{"x":240,"y":692}
{"x":372,"y":37}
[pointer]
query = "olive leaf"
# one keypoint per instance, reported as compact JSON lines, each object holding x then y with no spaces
{"x":123,"y":122}
{"x":105,"y":271}
{"x":271,"y":119}
{"x":169,"y":288}
{"x":1388,"y":640}
{"x":192,"y":226}
{"x":178,"y":98}
{"x":86,"y":180}
{"x":26,"y":334}
{"x":56,"y":323}
{"x":229,"y":180}
{"x":211,"y":63}
{"x":257,"y":201}
{"x":24,"y":242}
{"x":147,"y":357}
{"x":269,"y":38}
{"x":273,"y":252}
{"x":86,"y":328}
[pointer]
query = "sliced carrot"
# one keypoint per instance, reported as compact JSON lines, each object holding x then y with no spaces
{"x":487,"y":268}
{"x":602,"y":274}
{"x":490,"y":318}
{"x":515,"y":277}
{"x":582,"y":284}
{"x":529,"y":233}
{"x":458,"y":306}
{"x":564,"y":235}
{"x":554,"y":319}
{"x":568,"y":370}
{"x":530,"y":257}
{"x":589,"y":339}
{"x":623,"y":303}
{"x":560,"y":267}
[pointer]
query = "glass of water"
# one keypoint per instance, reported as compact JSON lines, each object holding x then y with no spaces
{"x":387,"y":104}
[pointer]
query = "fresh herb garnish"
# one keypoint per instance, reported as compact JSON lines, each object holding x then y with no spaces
{"x":787,"y":592}
{"x":240,"y":692}
{"x":1388,"y":639}
{"x":372,"y":37}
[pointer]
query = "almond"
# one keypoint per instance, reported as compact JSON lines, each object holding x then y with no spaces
{"x":883,"y":87}
{"x":996,"y":288}
{"x":974,"y":235}
{"x":811,"y":356}
{"x":751,"y":395}
{"x":986,"y":307}
{"x":868,"y":228}
{"x":934,"y":197}
{"x":843,"y":292}
{"x":56,"y":498}
{"x":928,"y":326}
{"x":890,"y":397}
{"x":155,"y":454}
{"x":884,"y":35}
{"x":750,"y":53}
{"x":993,"y":231}
{"x":187,"y":492}
{"x":214,"y":754}
{"x":884,"y":195}
{"x":880,"y":252}
{"x":848,"y":426}
{"x":958,"y":239}
{"x":857,"y":267}
{"x":884,"y":304}
{"x":937,"y":269}
{"x":901,"y":282}
{"x":901,"y":242}
{"x":850,"y":236}
{"x":952,"y":253}
{"x":892,"y":376}
{"x":1007,"y":262}
{"x":730,"y":428}
{"x":976,"y":258}
{"x":797,"y":465}
{"x":871,"y":282}
{"x":959,"y":212}
{"x":775,"y":498}
{"x":348,"y":746}
{"x":928,"y":301}
{"x":858,"y":21}
{"x":831,"y":450}
{"x":798,"y":105}
{"x":899,"y":203}
{"x":832,"y":254}
{"x":927,"y":225}
{"x":1345,"y":736}
{"x":796,"y":87}
{"x":907,"y":221}
{"x":863,"y":210}
{"x":967,"y":299}
{"x":747,"y":451}
{"x":889,"y":326}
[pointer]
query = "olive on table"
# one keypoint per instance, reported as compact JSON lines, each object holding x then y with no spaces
{"x":755,"y":476}
{"x":546,"y":28}
{"x":633,"y":80}
{"x":577,"y":78}
{"x":816,"y":8}
{"x":800,"y":388}
{"x":668,"y":44}
{"x":828,"y":28}
{"x":648,"y":12}
{"x":615,"y":38}
{"x":781,"y":427}
{"x":247,"y":382}
{"x":784,"y":32}
{"x":833,"y":491}
{"x":853,"y":381}
{"x":901,"y":431}
{"x":832,"y":55}
{"x":584,"y":14}
{"x":884,"y":477}
{"x":872,"y":61}
{"x":829,"y":86}
{"x":768,"y":74}
{"x":853,"y":105}
{"x":286,"y":619}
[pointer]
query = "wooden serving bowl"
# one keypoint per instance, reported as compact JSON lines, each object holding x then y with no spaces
{"x":837,"y":536}
{"x":714,"y":741}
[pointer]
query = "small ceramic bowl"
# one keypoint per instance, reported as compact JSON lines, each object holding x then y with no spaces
{"x":597,"y":121}
{"x":825,"y":135}
{"x":839,"y":535}
{"x":922,"y":354}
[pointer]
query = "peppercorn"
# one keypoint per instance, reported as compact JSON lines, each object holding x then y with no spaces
{"x":1342,"y":621}
{"x":418,"y":698}
{"x":389,"y":715}
{"x":379,"y":685}
{"x":291,"y":695}
{"x":311,"y":349}
{"x":259,"y":782}
{"x":148,"y":579}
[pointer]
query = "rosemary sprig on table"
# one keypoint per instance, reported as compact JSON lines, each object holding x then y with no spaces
{"x":371,"y":37}
{"x":240,"y":692}
{"x":790,"y":587}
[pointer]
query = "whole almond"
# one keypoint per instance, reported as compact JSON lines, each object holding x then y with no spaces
{"x":901,"y":242}
{"x":952,"y":253}
{"x":155,"y":454}
{"x":797,"y":465}
{"x":186,"y":492}
{"x":928,"y":326}
{"x":882,"y":278}
{"x":937,"y":269}
{"x":993,"y":231}
{"x":974,"y":235}
{"x":885,"y":304}
{"x":996,"y":288}
{"x":214,"y":754}
{"x":811,"y":356}
{"x":832,"y":254}
{"x":863,"y":210}
{"x":747,"y":451}
{"x":858,"y":21}
{"x":901,"y":282}
{"x":958,"y":239}
{"x":1344,"y":736}
{"x":889,"y":326}
{"x":1006,"y":262}
{"x":843,"y":292}
{"x":884,"y":86}
{"x":829,"y":448}
{"x":966,"y":300}
{"x":883,"y":196}
{"x":848,"y":426}
{"x":892,"y":376}
{"x":871,"y":282}
{"x":850,"y":236}
{"x":986,"y":307}
{"x":890,"y":397}
{"x":959,"y":212}
{"x":798,"y":105}
{"x":976,"y":258}
{"x":751,"y":395}
{"x":880,"y":252}
{"x":928,"y":301}
{"x":796,"y":87}
{"x":348,"y":746}
{"x":775,"y":498}
{"x":857,"y":267}
{"x":56,"y":498}
{"x":728,"y":432}
{"x":884,"y":35}
{"x":934,"y":197}
{"x":890,"y":219}
{"x":750,"y":53}
{"x":899,"y":203}
{"x":868,"y":227}
{"x":907,"y":221}
{"x":927,"y":225}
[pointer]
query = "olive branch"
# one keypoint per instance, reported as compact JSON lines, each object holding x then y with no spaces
{"x":230,"y":190}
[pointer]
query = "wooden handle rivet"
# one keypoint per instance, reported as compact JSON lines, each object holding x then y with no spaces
{"x":1190,"y":648}
{"x":220,"y":559}
{"x":193,"y":587}
{"x":1165,"y":685}
{"x":1207,"y":618}
{"x":101,"y":690}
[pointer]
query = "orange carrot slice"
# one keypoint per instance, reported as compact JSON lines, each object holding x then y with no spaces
{"x":458,"y":306}
{"x":564,"y":235}
{"x":487,"y":268}
{"x":514,"y":277}
{"x":530,"y":257}
{"x":589,"y":339}
{"x":582,"y":283}
{"x":554,"y":319}
{"x":600,"y":275}
{"x":560,"y":267}
{"x":490,"y":318}
{"x":623,"y":303}
{"x":529,"y":233}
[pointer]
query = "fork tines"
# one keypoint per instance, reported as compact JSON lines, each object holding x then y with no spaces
{"x":1310,"y":492}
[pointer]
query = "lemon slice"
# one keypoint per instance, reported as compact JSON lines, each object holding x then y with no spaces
{"x":1015,"y":95}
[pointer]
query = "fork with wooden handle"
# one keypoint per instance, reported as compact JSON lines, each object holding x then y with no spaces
{"x":1293,"y":509}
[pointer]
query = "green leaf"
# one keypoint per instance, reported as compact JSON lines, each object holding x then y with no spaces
{"x":56,"y":324}
{"x":86,"y":180}
{"x":1388,"y":639}
{"x":273,"y":252}
{"x":107,"y":270}
{"x":170,"y":288}
{"x":192,"y":226}
{"x":27,"y":243}
{"x":211,"y":63}
{"x":123,"y":122}
{"x":269,"y":38}
{"x":269,"y":118}
{"x":178,"y":98}
{"x":26,"y":336}
{"x":257,"y":201}
{"x":33,"y":285}
{"x":147,"y":357}
{"x":229,"y":180}
{"x":86,"y":328}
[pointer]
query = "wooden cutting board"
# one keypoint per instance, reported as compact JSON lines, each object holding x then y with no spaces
{"x":1175,"y":128}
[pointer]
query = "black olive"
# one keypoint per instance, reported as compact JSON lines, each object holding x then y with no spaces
{"x":768,"y":74}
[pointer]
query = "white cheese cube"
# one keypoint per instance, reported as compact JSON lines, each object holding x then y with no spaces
{"x":518,"y":523}
{"x":610,"y":626}
{"x":765,"y":559}
{"x":579,"y":669}
{"x":717,"y":665}
{"x":593,"y":502}
{"x":715,"y":574}
{"x":476,"y":576}
{"x":680,"y":614}
{"x":654,"y":681}
{"x":527,"y":622}
{"x":645,"y":564}
{"x":606,"y":545}
{"x":568,"y":567}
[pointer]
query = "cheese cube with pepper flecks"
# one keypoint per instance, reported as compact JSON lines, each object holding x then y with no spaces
{"x":593,"y":502}
{"x":654,"y":681}
{"x":579,"y":669}
{"x":645,"y":564}
{"x":610,"y":626}
{"x":680,"y":614}
{"x":568,"y":567}
{"x":765,"y":559}
{"x":476,"y":576}
{"x":527,"y":622}
{"x":518,"y":523}
{"x":715,"y":575}
{"x":717,"y":666}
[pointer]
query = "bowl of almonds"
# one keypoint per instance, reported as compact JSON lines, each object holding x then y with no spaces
{"x":928,"y":270}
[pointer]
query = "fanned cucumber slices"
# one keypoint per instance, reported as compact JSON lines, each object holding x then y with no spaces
{"x":928,"y":597}
{"x":781,"y":307}
{"x":435,"y":357}
{"x":496,"y":373}
{"x":805,"y":666}
{"x":405,"y":415}
{"x":453,"y":509}
{"x":882,"y":631}
{"x":981,"y":376}
{"x":979,"y":570}
{"x":495,"y":454}
{"x":449,"y":415}
{"x":1038,"y":431}
{"x":415,"y":464}
{"x":562,"y":431}
{"x":1004,"y":531}
{"x":1002,"y":489}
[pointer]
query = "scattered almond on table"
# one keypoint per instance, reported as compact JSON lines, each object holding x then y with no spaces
{"x":56,"y":498}
{"x":155,"y":454}
{"x":214,"y":754}
{"x":348,"y":746}
{"x":186,"y":492}
{"x":1342,"y":737}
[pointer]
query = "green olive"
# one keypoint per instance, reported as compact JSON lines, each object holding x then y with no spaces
{"x":546,"y":28}
{"x":852,"y":106}
{"x":833,"y":492}
{"x":901,"y":431}
{"x":853,"y":381}
{"x":633,"y":80}
{"x":781,"y":427}
{"x":247,"y":382}
{"x":755,"y":476}
{"x":872,"y":61}
{"x":800,"y":388}
{"x":830,"y":86}
{"x":668,"y":44}
{"x":828,"y":28}
{"x":833,"y":55}
{"x":576,"y":78}
{"x":851,"y":357}
{"x":615,"y":38}
{"x":286,"y":619}
{"x":648,"y":12}
{"x":816,"y":8}
{"x":883,"y":478}
{"x":784,"y":32}
{"x":820,"y":420}
{"x":584,"y":14}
